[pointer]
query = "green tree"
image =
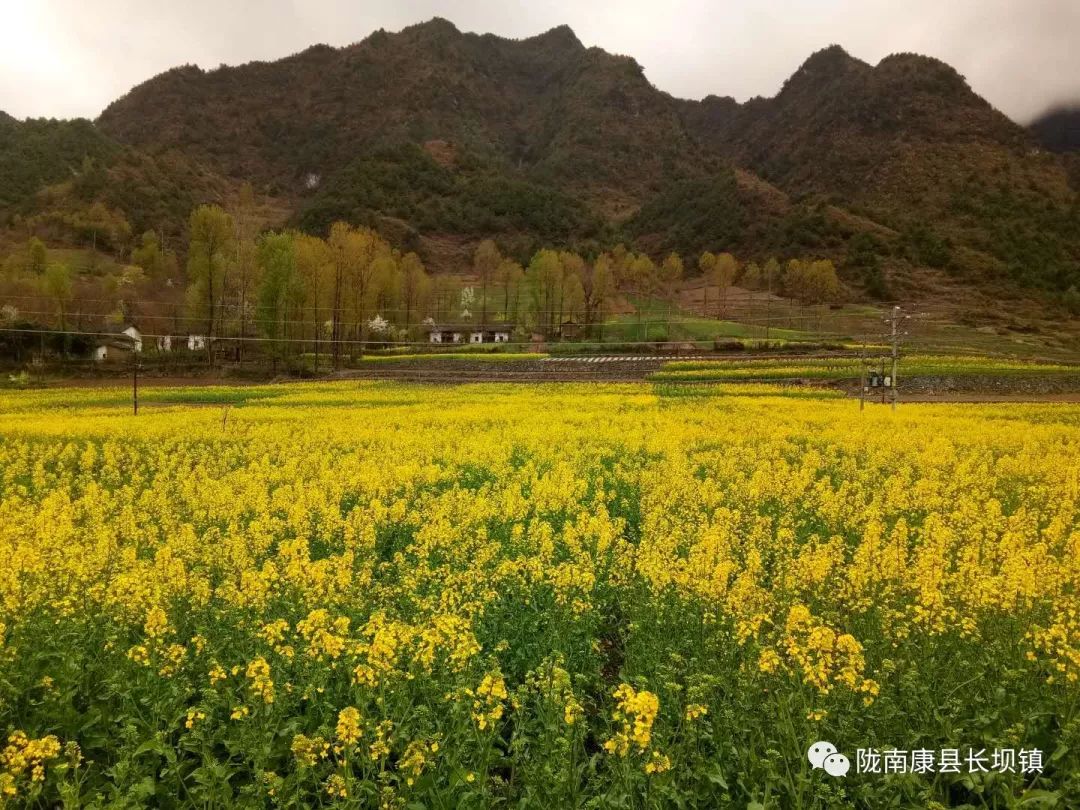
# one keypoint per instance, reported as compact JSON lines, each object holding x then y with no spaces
{"x":209,"y":256}
{"x":573,"y":298}
{"x":360,"y":257}
{"x":599,"y":284}
{"x":671,"y":273}
{"x":37,"y":256}
{"x":724,"y":271}
{"x":281,"y":288}
{"x":415,"y":286}
{"x":544,"y":278}
{"x":510,"y":276}
{"x":315,"y":265}
{"x":770,"y":277}
{"x":56,"y":284}
{"x":571,"y":289}
{"x":706,"y":266}
{"x":244,"y":278}
{"x":486,"y":263}
{"x":152,"y":257}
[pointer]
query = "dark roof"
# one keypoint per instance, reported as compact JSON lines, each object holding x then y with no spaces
{"x":469,"y":327}
{"x":119,"y":342}
{"x":118,"y":331}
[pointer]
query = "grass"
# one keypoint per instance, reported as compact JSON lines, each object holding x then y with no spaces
{"x":841,"y":368}
{"x":488,"y":356}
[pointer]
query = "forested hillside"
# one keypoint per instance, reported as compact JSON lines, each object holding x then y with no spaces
{"x":439,"y":139}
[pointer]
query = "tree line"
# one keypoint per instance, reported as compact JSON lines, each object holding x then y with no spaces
{"x":353,"y":288}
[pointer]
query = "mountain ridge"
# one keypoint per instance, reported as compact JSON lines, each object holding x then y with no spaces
{"x":561,"y":136}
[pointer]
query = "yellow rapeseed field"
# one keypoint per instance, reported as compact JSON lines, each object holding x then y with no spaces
{"x":387,"y":595}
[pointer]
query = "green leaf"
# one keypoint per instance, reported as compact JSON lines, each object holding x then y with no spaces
{"x":1039,"y":798}
{"x":716,"y":776}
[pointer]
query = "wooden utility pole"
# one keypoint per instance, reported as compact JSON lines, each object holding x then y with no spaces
{"x":768,"y":302}
{"x":862,"y":375}
{"x":895,"y":353}
{"x":895,"y":334}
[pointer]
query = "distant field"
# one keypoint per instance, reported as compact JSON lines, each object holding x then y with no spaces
{"x":840,"y":368}
{"x":481,"y":356}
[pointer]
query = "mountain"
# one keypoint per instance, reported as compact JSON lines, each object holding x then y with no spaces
{"x":36,"y":153}
{"x":908,"y":144}
{"x":546,"y":107}
{"x":436,"y":136}
{"x":1058,"y":130}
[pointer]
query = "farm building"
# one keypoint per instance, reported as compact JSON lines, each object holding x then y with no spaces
{"x":469,"y":333}
{"x":119,"y":345}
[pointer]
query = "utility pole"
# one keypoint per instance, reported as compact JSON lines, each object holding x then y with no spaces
{"x":895,"y":353}
{"x":894,"y":323}
{"x":768,"y":303}
{"x":862,"y":375}
{"x":135,"y":382}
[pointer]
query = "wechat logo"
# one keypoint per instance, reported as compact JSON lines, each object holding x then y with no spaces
{"x":824,"y":755}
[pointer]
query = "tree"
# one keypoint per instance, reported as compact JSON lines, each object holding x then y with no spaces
{"x":640,"y":277}
{"x":573,"y":298}
{"x":510,"y":276}
{"x":751,"y":276}
{"x":37,"y":256}
{"x":101,"y":224}
{"x":770,"y":275}
{"x":356,"y":272}
{"x":280,"y":290}
{"x":621,"y":263}
{"x":544,"y":278}
{"x":415,"y":286}
{"x":707,"y":266}
{"x":812,"y":282}
{"x":340,"y":237}
{"x":57,"y":285}
{"x":671,"y":272}
{"x":724,"y":272}
{"x":151,"y":256}
{"x":380,"y":277}
{"x":486,"y":263}
{"x":1071,"y":300}
{"x":571,"y":290}
{"x":209,"y":251}
{"x":599,"y":283}
{"x":315,"y":266}
{"x":244,"y":278}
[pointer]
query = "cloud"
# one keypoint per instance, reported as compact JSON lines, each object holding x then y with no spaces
{"x":68,"y":58}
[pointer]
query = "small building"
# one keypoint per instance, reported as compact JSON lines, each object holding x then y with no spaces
{"x":164,"y":343}
{"x":130,"y":334}
{"x":469,"y":333}
{"x":118,"y":345}
{"x":569,"y":329}
{"x":196,"y":343}
{"x":114,"y":349}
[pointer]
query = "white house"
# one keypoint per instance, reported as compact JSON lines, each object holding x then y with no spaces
{"x":135,"y":335}
{"x":118,"y":346}
{"x":164,"y":343}
{"x":196,"y":342}
{"x":458,"y":333}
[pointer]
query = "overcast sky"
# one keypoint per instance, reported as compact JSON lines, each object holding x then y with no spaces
{"x":65,"y":58}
